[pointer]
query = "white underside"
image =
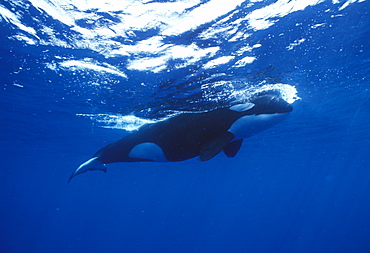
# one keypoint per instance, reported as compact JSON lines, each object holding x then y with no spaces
{"x":148,"y":150}
{"x":250,"y":125}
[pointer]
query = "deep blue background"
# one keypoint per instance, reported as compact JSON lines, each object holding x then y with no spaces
{"x":301,"y":186}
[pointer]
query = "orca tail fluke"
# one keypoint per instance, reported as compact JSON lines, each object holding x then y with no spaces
{"x":92,"y":164}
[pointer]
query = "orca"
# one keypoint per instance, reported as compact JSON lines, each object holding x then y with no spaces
{"x":190,"y":135}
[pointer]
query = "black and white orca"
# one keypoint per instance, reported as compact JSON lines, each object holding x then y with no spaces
{"x":189,"y":135}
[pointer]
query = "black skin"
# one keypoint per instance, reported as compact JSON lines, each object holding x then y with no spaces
{"x":183,"y":137}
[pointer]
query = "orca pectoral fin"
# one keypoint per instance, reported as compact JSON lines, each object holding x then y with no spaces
{"x":212,"y":148}
{"x":92,"y":164}
{"x":232,"y":148}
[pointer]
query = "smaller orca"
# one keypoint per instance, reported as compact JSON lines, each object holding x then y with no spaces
{"x":189,"y":135}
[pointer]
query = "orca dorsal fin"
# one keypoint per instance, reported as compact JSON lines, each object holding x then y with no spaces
{"x":212,"y":148}
{"x":242,"y":107}
{"x":232,"y":148}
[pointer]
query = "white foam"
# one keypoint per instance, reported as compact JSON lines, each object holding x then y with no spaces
{"x":218,"y":61}
{"x":127,"y":122}
{"x":265,"y":17}
{"x":295,"y":43}
{"x":203,"y":14}
{"x":166,"y":19}
{"x":244,"y":61}
{"x":76,"y":65}
{"x":286,"y":91}
{"x":14,"y":19}
{"x":233,"y":92}
{"x":158,"y":59}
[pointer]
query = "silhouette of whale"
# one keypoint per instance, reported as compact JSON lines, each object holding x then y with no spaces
{"x":189,"y":135}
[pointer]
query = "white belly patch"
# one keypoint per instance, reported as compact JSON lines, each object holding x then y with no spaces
{"x":251,"y":124}
{"x":148,"y":150}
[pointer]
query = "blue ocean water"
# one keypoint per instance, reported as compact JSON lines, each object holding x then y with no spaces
{"x":77,"y":75}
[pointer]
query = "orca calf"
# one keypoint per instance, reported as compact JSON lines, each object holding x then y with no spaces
{"x":189,"y":135}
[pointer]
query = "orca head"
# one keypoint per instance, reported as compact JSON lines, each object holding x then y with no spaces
{"x":270,"y":103}
{"x":268,"y":109}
